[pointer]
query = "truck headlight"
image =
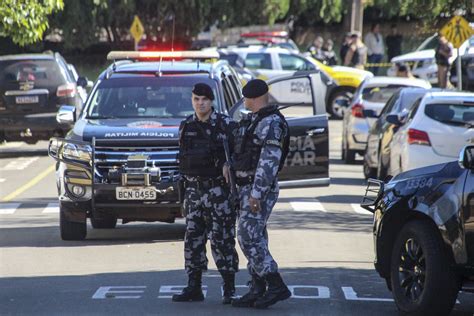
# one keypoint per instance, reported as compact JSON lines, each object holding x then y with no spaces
{"x":77,"y":152}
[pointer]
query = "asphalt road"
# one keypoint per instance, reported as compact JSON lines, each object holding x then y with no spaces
{"x":320,"y":238}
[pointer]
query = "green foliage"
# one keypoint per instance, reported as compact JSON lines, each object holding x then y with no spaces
{"x":25,"y":21}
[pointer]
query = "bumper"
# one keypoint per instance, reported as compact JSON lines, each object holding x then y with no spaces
{"x":357,"y":134}
{"x":31,"y":127}
{"x":421,"y":156}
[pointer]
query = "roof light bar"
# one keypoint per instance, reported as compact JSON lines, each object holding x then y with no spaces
{"x":117,"y":55}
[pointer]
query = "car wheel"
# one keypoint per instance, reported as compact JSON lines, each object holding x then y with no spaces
{"x":368,"y":171}
{"x":423,"y":282}
{"x":349,"y":155}
{"x":71,"y":230}
{"x":382,"y":171}
{"x":104,"y":222}
{"x":335,"y":109}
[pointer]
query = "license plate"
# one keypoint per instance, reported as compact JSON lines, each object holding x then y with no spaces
{"x":27,"y":99}
{"x":135,"y":193}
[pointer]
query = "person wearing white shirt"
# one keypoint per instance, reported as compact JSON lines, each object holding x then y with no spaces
{"x":376,"y":49}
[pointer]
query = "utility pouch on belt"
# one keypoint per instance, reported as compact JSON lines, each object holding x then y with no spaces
{"x":181,"y":189}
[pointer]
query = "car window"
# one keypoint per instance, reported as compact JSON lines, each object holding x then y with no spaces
{"x":408,"y":100}
{"x":379,"y":94}
{"x":416,"y":105}
{"x":258,"y":61}
{"x":451,"y":114}
{"x":157,"y":97}
{"x":430,"y":43}
{"x":292,"y":62}
{"x":232,"y":58}
{"x":390,"y":104}
{"x":44,"y":73}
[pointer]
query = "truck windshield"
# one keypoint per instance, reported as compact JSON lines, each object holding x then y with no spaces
{"x":146,"y":96}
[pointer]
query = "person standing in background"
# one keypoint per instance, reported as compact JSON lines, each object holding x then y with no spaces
{"x":316,"y":49}
{"x":443,"y":52}
{"x":357,"y":54}
{"x":394,"y":43}
{"x":329,"y":54}
{"x":375,"y":47}
{"x":345,"y":47}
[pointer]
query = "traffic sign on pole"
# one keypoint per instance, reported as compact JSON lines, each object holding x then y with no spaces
{"x":137,"y":30}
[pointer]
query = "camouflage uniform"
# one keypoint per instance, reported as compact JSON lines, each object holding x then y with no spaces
{"x":252,"y":227}
{"x":208,"y":215}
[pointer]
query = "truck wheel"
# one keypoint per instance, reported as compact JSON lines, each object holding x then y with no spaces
{"x":422,"y":280}
{"x":368,"y":171}
{"x":105,"y":222}
{"x":334,"y":108}
{"x":348,"y":155}
{"x":71,"y":230}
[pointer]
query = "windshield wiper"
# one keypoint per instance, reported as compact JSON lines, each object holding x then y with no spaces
{"x":100,"y":117}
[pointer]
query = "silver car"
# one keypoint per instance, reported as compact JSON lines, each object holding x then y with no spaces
{"x":367,"y":103}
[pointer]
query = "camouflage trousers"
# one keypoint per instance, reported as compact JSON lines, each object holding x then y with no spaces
{"x":252,"y":232}
{"x":208,"y":216}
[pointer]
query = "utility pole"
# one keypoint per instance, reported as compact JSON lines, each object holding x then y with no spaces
{"x":357,"y":15}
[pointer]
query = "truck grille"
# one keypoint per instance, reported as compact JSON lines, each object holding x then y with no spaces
{"x":164,"y":157}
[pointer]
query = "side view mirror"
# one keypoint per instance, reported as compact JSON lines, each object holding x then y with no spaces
{"x":83,"y":82}
{"x":370,"y":113}
{"x":466,"y":157}
{"x":66,"y":114}
{"x":393,"y":119}
{"x":343,"y":103}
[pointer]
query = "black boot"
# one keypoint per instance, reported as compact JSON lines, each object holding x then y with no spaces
{"x":277,"y":291}
{"x":228,"y":287}
{"x":257,"y":289}
{"x":193,"y":292}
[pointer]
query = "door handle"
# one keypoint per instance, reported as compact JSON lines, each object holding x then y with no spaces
{"x":313,"y":131}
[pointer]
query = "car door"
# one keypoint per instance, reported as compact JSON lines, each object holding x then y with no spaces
{"x":307,"y":163}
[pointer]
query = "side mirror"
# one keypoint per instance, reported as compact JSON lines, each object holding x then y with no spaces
{"x":82,"y":82}
{"x":393,"y":119}
{"x":66,"y":114}
{"x":466,"y":157}
{"x":343,"y":103}
{"x":370,"y":113}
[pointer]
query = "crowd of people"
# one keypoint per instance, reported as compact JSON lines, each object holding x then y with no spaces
{"x":355,"y":52}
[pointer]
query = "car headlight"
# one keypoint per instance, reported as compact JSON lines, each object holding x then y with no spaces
{"x":77,"y":152}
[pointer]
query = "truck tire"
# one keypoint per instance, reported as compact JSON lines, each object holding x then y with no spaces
{"x":422,"y":281}
{"x":71,"y":230}
{"x":348,"y":155}
{"x":104,"y":222}
{"x":368,"y":171}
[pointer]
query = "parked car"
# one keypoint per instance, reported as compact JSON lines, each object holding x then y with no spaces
{"x":423,"y":234}
{"x":467,"y":69}
{"x":120,"y":159}
{"x":274,"y":38}
{"x":436,"y":129}
{"x":377,"y":154}
{"x":366,"y":106}
{"x":32,"y":88}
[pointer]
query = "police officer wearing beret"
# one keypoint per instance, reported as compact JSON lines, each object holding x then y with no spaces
{"x":206,"y":204}
{"x":261,"y":146}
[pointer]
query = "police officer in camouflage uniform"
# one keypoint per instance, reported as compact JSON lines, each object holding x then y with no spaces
{"x":206,"y":205}
{"x":261,"y":146}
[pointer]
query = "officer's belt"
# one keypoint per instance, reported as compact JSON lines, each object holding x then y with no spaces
{"x":244,"y":181}
{"x":205,"y":183}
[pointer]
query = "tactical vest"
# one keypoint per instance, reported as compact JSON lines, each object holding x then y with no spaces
{"x":201,"y":154}
{"x":247,"y":150}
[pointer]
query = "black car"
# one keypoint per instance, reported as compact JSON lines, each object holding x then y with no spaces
{"x":120,"y":159}
{"x":377,"y":153}
{"x":467,"y":71}
{"x":424,"y":234}
{"x":32,"y":88}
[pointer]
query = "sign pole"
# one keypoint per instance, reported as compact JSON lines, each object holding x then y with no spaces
{"x":459,"y":71}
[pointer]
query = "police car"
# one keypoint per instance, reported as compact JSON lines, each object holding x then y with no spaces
{"x":119,"y":160}
{"x":423,"y":234}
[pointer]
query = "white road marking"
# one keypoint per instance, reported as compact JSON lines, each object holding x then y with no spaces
{"x":351,"y":295}
{"x":51,"y":208}
{"x":19,"y":164}
{"x":120,"y":292}
{"x":307,"y":206}
{"x":8,"y":208}
{"x":359,"y":210}
{"x":12,"y":145}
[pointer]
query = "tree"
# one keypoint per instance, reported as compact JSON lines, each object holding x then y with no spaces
{"x":25,"y":21}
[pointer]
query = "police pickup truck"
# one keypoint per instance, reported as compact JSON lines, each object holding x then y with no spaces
{"x":424,"y":234}
{"x":119,"y":160}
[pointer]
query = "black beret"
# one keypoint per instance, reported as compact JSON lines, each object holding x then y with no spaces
{"x":203,"y":90}
{"x":255,"y":88}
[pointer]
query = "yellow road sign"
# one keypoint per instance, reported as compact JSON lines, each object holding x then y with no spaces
{"x":137,"y":29}
{"x":457,"y":31}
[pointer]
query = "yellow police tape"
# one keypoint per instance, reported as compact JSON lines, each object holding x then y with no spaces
{"x":409,"y":63}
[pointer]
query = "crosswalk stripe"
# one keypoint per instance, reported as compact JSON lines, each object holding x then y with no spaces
{"x":359,"y":210}
{"x":307,"y":206}
{"x":51,"y":208}
{"x":19,"y":164}
{"x":8,"y":208}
